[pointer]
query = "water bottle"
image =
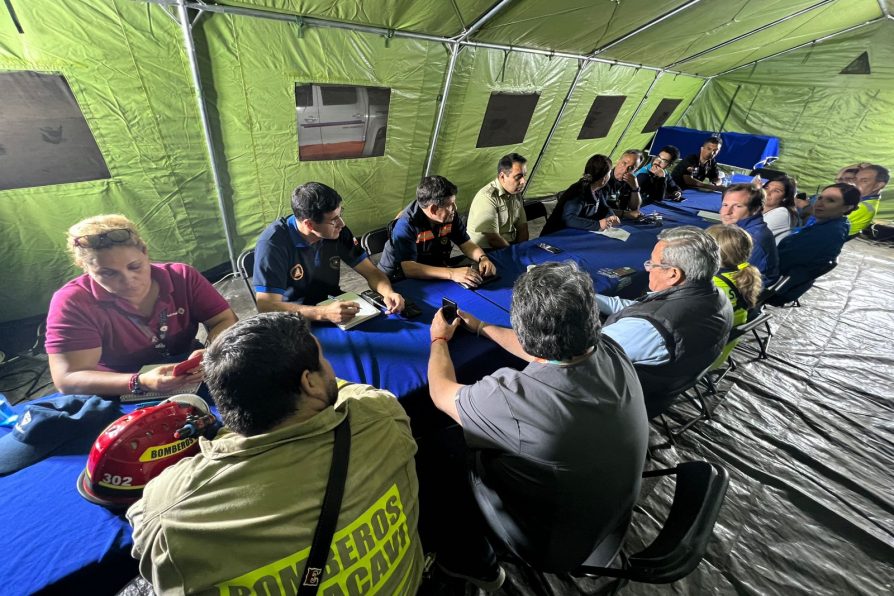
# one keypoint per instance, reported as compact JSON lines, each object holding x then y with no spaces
{"x":7,"y":416}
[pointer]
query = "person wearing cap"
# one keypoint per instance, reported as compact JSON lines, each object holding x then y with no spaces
{"x":125,"y":312}
{"x":239,"y":517}
{"x":65,"y":425}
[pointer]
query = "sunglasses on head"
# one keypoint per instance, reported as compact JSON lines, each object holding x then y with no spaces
{"x":102,"y":240}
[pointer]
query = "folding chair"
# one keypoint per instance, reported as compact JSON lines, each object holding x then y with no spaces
{"x":683,"y":539}
{"x":793,"y":293}
{"x":535,"y":209}
{"x":373,"y":242}
{"x":246,"y":266}
{"x":695,"y":395}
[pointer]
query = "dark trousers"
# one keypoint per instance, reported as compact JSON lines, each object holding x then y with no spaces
{"x":450,"y":522}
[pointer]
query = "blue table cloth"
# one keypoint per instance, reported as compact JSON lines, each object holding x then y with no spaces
{"x":739,"y":149}
{"x":54,"y":538}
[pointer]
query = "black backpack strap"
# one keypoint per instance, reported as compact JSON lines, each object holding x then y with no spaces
{"x":335,"y":490}
{"x":740,"y":300}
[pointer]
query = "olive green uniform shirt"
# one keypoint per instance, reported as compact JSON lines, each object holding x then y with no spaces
{"x":239,"y":517}
{"x":494,"y":210}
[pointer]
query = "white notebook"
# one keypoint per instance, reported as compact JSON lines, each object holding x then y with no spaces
{"x":158,"y":395}
{"x":367,"y":311}
{"x":709,"y":215}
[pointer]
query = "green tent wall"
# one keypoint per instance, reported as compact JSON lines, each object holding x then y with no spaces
{"x":127,"y":67}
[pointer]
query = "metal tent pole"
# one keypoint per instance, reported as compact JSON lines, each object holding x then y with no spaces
{"x":206,"y":127}
{"x":694,"y":99}
{"x":456,"y":45}
{"x":639,"y":30}
{"x":635,"y":113}
{"x":752,"y":32}
{"x":803,"y":45}
{"x":577,"y":76}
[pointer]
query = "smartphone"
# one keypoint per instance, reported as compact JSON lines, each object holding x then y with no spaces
{"x":448,"y":309}
{"x":187,"y":365}
{"x":549,"y":248}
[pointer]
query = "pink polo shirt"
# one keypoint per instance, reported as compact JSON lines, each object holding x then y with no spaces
{"x":84,"y":315}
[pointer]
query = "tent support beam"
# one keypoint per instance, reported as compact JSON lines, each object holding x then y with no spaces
{"x":694,"y":99}
{"x":642,"y":102}
{"x":480,"y":21}
{"x":442,"y":108}
{"x":190,"y":47}
{"x":639,"y":30}
{"x":881,"y":5}
{"x":316,"y":22}
{"x":455,"y":48}
{"x":752,"y":32}
{"x":798,"y":47}
{"x":549,"y":137}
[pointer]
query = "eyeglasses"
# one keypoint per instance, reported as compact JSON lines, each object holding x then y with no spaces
{"x":649,"y":265}
{"x":335,"y":220}
{"x":103,"y":240}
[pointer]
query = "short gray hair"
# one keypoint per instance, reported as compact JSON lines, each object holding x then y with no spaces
{"x":554,"y":312}
{"x":692,"y":250}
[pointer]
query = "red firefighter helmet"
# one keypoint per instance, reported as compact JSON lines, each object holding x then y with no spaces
{"x":137,"y":447}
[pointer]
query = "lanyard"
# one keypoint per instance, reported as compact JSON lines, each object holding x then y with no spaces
{"x":569,"y":362}
{"x":157,"y":338}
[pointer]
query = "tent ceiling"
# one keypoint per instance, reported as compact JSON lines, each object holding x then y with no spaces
{"x":582,"y":26}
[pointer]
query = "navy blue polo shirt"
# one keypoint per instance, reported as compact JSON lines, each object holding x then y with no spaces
{"x":417,"y":238}
{"x":300,"y":272}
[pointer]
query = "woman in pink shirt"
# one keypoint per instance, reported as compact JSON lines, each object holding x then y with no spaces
{"x":125,"y":312}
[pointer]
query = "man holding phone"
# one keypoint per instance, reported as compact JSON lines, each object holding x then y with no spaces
{"x":557,"y":448}
{"x":422,"y":238}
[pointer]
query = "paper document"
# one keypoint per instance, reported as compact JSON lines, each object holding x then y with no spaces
{"x":616,"y":233}
{"x":366,"y":312}
{"x":709,"y":215}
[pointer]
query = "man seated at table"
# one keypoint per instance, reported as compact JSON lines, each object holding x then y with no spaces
{"x":692,"y":171}
{"x":743,"y":206}
{"x":298,"y":259}
{"x":423,"y":235}
{"x":655,"y":184}
{"x":497,"y":215}
{"x":623,"y":187}
{"x":870,"y":181}
{"x":239,"y":517}
{"x":679,"y":328}
{"x":810,"y":251}
{"x":557,"y":449}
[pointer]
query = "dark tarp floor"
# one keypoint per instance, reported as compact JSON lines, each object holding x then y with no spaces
{"x":808,"y":439}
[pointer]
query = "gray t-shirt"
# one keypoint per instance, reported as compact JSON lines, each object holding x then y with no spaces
{"x":558,"y":453}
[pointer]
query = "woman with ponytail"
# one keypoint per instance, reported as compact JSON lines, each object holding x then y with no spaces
{"x":740,"y":281}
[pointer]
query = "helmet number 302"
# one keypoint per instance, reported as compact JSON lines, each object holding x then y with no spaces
{"x":116,"y":480}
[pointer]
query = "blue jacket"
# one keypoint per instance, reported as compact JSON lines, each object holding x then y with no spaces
{"x":764,"y":255}
{"x":808,"y":251}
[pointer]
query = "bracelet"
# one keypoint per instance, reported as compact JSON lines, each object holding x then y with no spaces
{"x":450,"y":273}
{"x":134,"y":384}
{"x":481,"y":326}
{"x":482,"y":257}
{"x":436,"y":339}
